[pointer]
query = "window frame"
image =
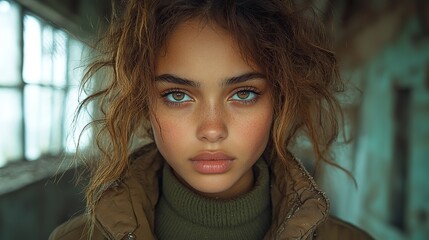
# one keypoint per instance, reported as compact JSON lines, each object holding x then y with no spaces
{"x":20,"y":172}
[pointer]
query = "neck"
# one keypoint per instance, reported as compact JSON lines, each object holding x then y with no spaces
{"x":183,"y":214}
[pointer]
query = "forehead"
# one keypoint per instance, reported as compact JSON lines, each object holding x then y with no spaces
{"x":200,"y":51}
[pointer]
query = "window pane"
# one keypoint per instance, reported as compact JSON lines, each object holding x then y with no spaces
{"x":75,"y":67}
{"x":9,"y":44}
{"x":73,"y":131}
{"x":58,"y":55}
{"x":45,"y":53}
{"x":10,"y":126}
{"x":43,"y":121}
{"x":47,"y":49}
{"x":32,"y":71}
{"x":75,"y":74}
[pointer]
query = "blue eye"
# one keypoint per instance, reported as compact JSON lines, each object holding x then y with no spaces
{"x":245,"y":95}
{"x":177,"y":97}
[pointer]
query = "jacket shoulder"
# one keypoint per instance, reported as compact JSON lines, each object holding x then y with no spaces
{"x":75,"y":229}
{"x":335,"y":228}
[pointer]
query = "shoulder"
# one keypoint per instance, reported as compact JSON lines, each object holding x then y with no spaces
{"x":335,"y":228}
{"x":145,"y":163}
{"x":75,"y":229}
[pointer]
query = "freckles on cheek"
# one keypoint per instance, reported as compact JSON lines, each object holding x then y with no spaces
{"x":167,"y":131}
{"x":256,"y":130}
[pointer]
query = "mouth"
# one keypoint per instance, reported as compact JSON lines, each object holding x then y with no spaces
{"x":212,"y":156}
{"x":212,"y":162}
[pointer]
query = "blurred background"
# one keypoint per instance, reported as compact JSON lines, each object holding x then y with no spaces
{"x":383,"y":52}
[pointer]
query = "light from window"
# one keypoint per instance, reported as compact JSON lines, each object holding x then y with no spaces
{"x":76,"y":50}
{"x":9,"y":44}
{"x":10,"y":125}
{"x":38,"y":91}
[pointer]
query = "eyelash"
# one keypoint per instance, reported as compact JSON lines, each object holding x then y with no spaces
{"x":250,"y":90}
{"x":170,"y":91}
{"x":242,"y":89}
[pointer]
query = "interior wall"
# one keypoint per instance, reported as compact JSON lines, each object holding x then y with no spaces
{"x":35,"y":210}
{"x":383,"y":47}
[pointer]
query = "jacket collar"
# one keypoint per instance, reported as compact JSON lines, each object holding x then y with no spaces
{"x":298,"y":205}
{"x":128,"y":205}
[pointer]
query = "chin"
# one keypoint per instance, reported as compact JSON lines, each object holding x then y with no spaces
{"x":211,"y":186}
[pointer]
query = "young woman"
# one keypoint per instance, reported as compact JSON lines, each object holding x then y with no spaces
{"x":221,"y":88}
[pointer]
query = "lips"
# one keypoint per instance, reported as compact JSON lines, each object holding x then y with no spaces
{"x":211,"y":156}
{"x":212,"y":162}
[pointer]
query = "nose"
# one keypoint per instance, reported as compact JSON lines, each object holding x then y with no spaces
{"x":212,"y":126}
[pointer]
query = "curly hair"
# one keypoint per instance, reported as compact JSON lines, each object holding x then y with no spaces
{"x":289,"y":45}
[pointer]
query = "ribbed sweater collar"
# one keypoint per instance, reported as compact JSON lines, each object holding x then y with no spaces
{"x":215,"y":213}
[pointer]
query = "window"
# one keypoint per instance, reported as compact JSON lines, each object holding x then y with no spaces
{"x":39,"y":75}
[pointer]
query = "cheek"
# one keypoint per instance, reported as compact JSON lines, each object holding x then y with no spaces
{"x":167,"y":132}
{"x":256,"y":130}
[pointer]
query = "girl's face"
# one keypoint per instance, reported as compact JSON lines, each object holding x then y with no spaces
{"x":213,"y":116}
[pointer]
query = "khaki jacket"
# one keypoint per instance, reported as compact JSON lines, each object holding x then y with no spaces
{"x":126,"y":209}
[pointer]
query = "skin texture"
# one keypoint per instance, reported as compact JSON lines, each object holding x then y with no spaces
{"x":208,"y":114}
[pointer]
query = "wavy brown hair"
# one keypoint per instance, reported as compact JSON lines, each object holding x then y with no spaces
{"x":289,"y":46}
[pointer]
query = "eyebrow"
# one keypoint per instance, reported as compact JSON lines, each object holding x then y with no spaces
{"x":229,"y":81}
{"x":243,"y":78}
{"x":176,"y":80}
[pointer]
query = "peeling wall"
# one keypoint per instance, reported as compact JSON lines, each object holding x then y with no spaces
{"x":387,"y":61}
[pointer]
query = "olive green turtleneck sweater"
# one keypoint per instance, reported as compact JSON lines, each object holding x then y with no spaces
{"x":182,"y":214}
